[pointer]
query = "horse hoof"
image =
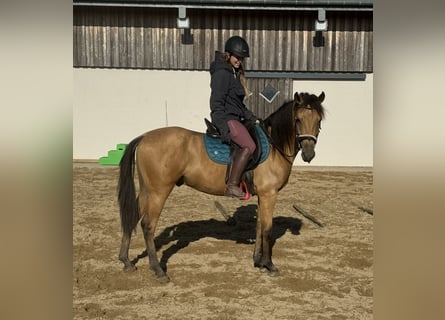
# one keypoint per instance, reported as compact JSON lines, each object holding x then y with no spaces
{"x":130,"y":268}
{"x":273,"y":273}
{"x":163,"y":279}
{"x":266,"y":267}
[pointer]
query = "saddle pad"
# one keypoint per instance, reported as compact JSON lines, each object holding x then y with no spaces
{"x":219,"y":152}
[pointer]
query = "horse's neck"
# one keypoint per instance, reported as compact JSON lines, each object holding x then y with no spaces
{"x":286,"y":158}
{"x":287,"y":153}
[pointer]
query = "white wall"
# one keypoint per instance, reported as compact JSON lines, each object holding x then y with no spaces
{"x":114,"y":106}
{"x":346,"y":138}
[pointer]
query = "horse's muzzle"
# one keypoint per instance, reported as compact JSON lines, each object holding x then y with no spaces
{"x":307,"y":150}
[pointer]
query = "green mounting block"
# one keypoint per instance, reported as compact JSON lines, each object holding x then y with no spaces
{"x":114,"y":156}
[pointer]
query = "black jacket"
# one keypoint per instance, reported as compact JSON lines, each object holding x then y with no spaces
{"x":227,"y":95}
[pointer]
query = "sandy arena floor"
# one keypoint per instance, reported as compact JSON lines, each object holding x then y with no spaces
{"x":325,"y":272}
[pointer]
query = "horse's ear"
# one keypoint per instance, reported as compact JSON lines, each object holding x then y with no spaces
{"x":297,"y":98}
{"x":321,"y":97}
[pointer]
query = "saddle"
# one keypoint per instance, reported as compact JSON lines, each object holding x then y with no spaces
{"x":224,"y":154}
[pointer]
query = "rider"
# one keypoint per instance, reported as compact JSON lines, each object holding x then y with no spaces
{"x":228,"y":112}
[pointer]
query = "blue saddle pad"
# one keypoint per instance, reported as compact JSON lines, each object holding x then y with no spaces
{"x":219,"y":152}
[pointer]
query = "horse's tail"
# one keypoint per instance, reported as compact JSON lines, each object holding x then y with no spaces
{"x":128,"y":204}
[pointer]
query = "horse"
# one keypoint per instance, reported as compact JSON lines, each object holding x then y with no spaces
{"x":173,"y":156}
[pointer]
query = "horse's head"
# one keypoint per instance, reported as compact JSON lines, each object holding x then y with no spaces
{"x":308,"y":113}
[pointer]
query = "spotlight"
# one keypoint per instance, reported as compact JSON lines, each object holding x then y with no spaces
{"x":321,"y":24}
{"x":183,"y":21}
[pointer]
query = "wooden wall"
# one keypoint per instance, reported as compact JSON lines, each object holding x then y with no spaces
{"x":110,"y":37}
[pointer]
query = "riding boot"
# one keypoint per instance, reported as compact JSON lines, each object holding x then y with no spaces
{"x":239,"y":164}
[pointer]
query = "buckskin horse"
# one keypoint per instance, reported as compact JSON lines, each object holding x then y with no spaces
{"x":171,"y":156}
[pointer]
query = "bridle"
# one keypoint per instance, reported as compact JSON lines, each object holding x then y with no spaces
{"x":299,"y":138}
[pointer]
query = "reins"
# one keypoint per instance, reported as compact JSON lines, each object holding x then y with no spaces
{"x":282,"y":152}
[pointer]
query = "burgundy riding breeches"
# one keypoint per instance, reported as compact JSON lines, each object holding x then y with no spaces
{"x":240,"y":135}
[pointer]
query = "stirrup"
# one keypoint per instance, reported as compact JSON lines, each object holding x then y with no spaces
{"x":243,"y":188}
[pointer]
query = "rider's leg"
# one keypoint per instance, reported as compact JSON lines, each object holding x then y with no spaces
{"x":241,"y":137}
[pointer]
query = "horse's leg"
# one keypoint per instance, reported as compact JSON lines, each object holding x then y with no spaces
{"x":151,"y":207}
{"x":123,"y":253}
{"x":263,"y":249}
{"x":258,"y":249}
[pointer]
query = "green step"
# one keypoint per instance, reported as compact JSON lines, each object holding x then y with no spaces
{"x":114,"y":156}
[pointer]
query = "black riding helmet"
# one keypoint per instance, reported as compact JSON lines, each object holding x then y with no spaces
{"x":237,"y":46}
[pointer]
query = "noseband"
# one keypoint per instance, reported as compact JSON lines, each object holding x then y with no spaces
{"x":301,"y":137}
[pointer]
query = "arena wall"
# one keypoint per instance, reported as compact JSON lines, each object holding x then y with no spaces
{"x":113,"y":106}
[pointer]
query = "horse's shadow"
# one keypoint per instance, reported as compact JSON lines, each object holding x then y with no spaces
{"x":243,"y":232}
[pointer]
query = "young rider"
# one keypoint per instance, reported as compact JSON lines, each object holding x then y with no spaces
{"x":228,"y":112}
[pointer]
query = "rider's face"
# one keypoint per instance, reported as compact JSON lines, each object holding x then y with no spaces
{"x":236,"y":61}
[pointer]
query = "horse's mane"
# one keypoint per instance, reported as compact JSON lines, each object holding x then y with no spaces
{"x":281,"y":124}
{"x":282,"y":121}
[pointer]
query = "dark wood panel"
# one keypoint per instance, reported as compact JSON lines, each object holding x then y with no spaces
{"x":279,"y":41}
